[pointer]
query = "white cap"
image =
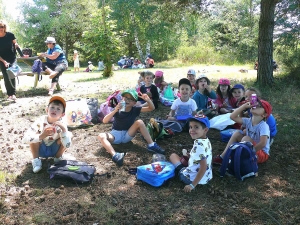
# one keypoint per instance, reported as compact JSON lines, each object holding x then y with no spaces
{"x":75,"y":51}
{"x":50,"y":40}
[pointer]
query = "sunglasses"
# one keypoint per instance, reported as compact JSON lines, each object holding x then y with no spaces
{"x":2,"y":26}
{"x":129,"y":99}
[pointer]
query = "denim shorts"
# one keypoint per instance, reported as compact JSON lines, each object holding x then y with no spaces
{"x":121,"y":136}
{"x":179,"y":171}
{"x":48,"y":151}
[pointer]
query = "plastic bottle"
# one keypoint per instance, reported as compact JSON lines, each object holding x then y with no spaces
{"x":253,"y":100}
{"x":123,"y":106}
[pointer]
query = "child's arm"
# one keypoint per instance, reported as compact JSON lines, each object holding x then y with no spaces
{"x":65,"y":135}
{"x":171,"y":115}
{"x":150,"y":106}
{"x":235,"y":115}
{"x":110,"y":115}
{"x":201,"y":172}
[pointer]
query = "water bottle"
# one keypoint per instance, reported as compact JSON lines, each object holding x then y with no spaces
{"x":253,"y":101}
{"x":123,"y":106}
{"x":158,"y":158}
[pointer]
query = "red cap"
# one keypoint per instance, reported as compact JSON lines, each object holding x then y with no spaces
{"x":267,"y":107}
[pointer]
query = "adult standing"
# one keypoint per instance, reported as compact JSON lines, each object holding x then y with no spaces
{"x":56,"y":62}
{"x":76,"y":61}
{"x":8,"y":46}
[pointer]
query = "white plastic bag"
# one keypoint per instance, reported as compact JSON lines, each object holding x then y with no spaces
{"x":221,"y":122}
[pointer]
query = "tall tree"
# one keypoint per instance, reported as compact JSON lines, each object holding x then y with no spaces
{"x":265,"y":42}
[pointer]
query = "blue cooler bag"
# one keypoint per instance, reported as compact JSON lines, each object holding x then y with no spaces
{"x":155,"y":174}
{"x":226,"y":134}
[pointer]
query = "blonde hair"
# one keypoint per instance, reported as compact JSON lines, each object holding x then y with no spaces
{"x":4,"y":24}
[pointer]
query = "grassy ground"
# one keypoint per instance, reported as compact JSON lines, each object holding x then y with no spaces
{"x":117,"y":198}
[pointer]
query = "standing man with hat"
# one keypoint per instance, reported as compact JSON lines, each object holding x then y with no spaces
{"x":56,"y":62}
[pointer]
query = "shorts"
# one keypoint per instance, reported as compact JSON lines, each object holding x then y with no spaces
{"x":179,"y":171}
{"x":261,"y":155}
{"x":121,"y":136}
{"x":48,"y":151}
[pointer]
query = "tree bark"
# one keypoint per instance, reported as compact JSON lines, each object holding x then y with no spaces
{"x":265,"y":42}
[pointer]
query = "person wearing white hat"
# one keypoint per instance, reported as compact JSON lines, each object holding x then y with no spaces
{"x":76,"y":61}
{"x":56,"y":62}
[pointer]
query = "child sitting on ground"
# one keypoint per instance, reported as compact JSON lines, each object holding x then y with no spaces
{"x":149,"y":88}
{"x":225,"y":102}
{"x":48,"y":136}
{"x":271,"y":121}
{"x":257,"y":130}
{"x":125,"y":126}
{"x":202,"y":95}
{"x":199,"y":168}
{"x":183,"y":106}
{"x":191,"y":75}
{"x":90,"y":67}
{"x":159,"y":80}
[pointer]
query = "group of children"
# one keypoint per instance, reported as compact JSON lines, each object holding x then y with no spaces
{"x":49,"y":137}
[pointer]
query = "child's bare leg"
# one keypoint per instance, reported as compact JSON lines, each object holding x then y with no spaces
{"x":174,"y":158}
{"x":61,"y":149}
{"x":106,"y":139}
{"x":35,"y":148}
{"x":139,"y":125}
{"x":236,"y":137}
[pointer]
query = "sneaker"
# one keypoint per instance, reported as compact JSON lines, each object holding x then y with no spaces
{"x":50,"y":92}
{"x":36,"y":165}
{"x":118,"y":158}
{"x":217,"y":160}
{"x":156,"y":149}
{"x":64,"y":157}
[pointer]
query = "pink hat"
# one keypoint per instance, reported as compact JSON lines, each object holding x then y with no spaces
{"x":159,"y":73}
{"x":224,"y":81}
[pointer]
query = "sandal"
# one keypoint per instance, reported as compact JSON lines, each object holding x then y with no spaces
{"x":50,"y":92}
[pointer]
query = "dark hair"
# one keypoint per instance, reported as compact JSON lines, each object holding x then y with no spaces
{"x":158,"y":80}
{"x":229,"y":94}
{"x":201,"y":124}
{"x":57,"y":102}
{"x":205,"y":92}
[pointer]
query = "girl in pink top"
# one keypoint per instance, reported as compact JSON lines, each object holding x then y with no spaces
{"x":225,"y":101}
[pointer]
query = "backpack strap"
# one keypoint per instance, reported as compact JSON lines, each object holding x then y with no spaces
{"x":226,"y":160}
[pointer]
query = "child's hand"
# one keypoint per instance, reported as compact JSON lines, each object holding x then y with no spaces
{"x":145,"y":97}
{"x":119,"y":106}
{"x":187,"y":188}
{"x":48,"y":131}
{"x":247,"y":105}
{"x":60,"y":125}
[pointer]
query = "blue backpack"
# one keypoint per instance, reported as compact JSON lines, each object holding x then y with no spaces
{"x":155,"y":174}
{"x":37,"y":68}
{"x":240,"y":161}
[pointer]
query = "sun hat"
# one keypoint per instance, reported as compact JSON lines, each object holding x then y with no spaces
{"x":50,"y":40}
{"x":75,"y":51}
{"x":267,"y":107}
{"x":89,"y":62}
{"x":224,"y":81}
{"x":191,"y":72}
{"x":132,"y":92}
{"x":159,"y":73}
{"x":200,"y":118}
{"x":238,"y":86}
{"x":203,"y":76}
{"x":58,"y":98}
{"x":184,"y":81}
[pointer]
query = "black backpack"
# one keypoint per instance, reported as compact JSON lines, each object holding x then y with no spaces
{"x":79,"y":172}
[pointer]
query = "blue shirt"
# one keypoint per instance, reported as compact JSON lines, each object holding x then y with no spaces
{"x":60,"y":59}
{"x":202,"y":100}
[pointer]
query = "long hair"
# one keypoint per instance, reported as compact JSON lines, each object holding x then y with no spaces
{"x":229,"y":94}
{"x":205,"y":92}
{"x":159,"y":80}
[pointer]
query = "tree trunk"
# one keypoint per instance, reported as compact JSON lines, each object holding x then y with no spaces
{"x":265,"y":42}
{"x":137,"y":42}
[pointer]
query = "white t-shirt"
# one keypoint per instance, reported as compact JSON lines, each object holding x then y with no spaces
{"x":184,"y":108}
{"x":201,"y":150}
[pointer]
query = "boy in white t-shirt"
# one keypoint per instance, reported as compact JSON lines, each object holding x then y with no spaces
{"x":183,"y":107}
{"x":199,"y":168}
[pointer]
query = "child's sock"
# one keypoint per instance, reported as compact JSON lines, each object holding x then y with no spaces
{"x":150,"y":145}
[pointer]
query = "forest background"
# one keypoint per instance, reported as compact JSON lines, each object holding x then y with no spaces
{"x":195,"y":31}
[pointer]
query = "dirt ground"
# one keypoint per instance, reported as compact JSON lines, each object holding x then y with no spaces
{"x":117,"y":197}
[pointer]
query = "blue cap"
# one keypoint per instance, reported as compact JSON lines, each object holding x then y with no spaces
{"x":200,"y":118}
{"x":238,"y":86}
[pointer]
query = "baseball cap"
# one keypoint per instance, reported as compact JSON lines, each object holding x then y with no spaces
{"x":184,"y":81}
{"x":159,"y":73}
{"x":133,"y":93}
{"x":238,"y":86}
{"x":50,"y":40}
{"x":203,"y":76}
{"x":224,"y":81}
{"x":267,"y":107}
{"x":200,"y":118}
{"x":75,"y":51}
{"x":58,"y":98}
{"x":192,"y":72}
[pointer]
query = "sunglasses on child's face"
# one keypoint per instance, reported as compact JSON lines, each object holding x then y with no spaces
{"x":1,"y":26}
{"x":129,"y":99}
